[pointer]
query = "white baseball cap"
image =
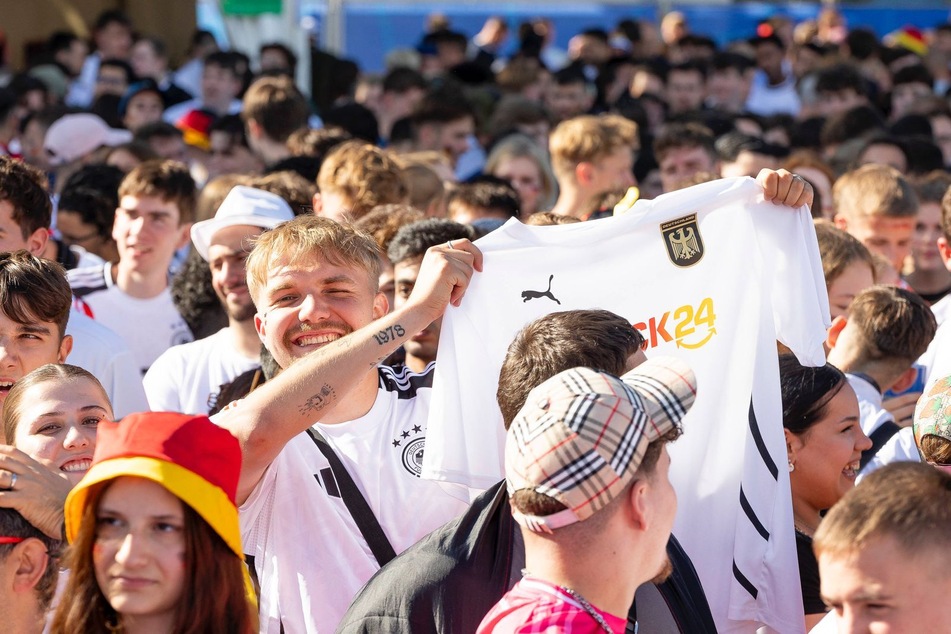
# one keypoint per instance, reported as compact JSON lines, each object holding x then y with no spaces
{"x":242,"y":206}
{"x":75,"y":135}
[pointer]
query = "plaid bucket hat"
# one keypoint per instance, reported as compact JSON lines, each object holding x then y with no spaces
{"x":581,"y":435}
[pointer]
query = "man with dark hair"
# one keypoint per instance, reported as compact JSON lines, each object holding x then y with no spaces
{"x":403,"y":90}
{"x":910,"y":86}
{"x":729,"y":81}
{"x":112,"y":35}
{"x":28,"y":573}
{"x":744,"y":155}
{"x":165,"y":140}
{"x":444,"y":124}
{"x":683,"y":151}
{"x":839,"y":88}
{"x":277,"y":59}
{"x":569,"y":94}
{"x":222,"y":79}
{"x":405,"y":252}
{"x":685,"y":88}
{"x":149,"y":60}
{"x":486,"y":197}
{"x":774,"y":87}
{"x":229,"y":151}
{"x":273,"y":110}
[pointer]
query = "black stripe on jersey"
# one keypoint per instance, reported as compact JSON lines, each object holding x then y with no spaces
{"x":404,"y":381}
{"x":327,"y":480}
{"x":743,"y":581}
{"x":760,"y":445}
{"x":87,"y":280}
{"x":748,"y":509}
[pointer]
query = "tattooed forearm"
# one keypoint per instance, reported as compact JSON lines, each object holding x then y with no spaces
{"x":390,"y":333}
{"x":318,"y":401}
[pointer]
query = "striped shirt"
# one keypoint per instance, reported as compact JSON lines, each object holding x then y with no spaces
{"x":535,"y":606}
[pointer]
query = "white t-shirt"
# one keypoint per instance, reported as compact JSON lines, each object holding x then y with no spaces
{"x":187,"y":378}
{"x":306,"y":551}
{"x":148,"y":326}
{"x":759,"y":280}
{"x":871,"y":412}
{"x":899,"y":448}
{"x":105,"y":355}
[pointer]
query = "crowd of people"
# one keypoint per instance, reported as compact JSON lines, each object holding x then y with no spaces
{"x":222,"y":298}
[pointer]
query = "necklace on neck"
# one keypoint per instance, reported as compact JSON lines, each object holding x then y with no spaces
{"x":587,"y":607}
{"x":802,"y":528}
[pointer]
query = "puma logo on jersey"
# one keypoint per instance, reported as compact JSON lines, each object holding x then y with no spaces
{"x":530,"y":294}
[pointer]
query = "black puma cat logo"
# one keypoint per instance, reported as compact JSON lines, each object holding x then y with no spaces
{"x":527,"y":295}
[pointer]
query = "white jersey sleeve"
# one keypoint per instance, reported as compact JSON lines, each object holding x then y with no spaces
{"x":711,"y":274}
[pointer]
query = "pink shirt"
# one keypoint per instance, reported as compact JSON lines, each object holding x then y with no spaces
{"x":534,"y":606}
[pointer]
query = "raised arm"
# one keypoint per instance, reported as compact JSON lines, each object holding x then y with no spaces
{"x":785,"y":188}
{"x":310,"y":388}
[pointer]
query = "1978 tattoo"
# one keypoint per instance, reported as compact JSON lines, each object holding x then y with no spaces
{"x":319,"y":400}
{"x":389,"y":334}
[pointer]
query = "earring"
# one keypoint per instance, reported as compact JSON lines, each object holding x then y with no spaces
{"x":792,"y":467}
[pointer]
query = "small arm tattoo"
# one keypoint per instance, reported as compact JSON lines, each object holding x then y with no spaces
{"x":390,"y":333}
{"x":319,"y":400}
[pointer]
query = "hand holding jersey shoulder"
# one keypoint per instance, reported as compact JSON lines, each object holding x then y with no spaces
{"x":444,"y":276}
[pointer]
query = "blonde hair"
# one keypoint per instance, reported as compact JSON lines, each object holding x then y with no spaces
{"x":838,"y":249}
{"x":874,"y":190}
{"x":588,"y":138}
{"x":520,"y":146}
{"x":304,"y":238}
{"x":366,"y":175}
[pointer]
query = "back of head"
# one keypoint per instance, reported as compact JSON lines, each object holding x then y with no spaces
{"x":34,"y":289}
{"x":385,"y":221}
{"x":840,"y":77}
{"x":907,"y":502}
{"x":838,"y":250}
{"x":277,"y":106}
{"x":366,"y":175}
{"x":424,"y":187}
{"x":895,"y":327}
{"x":24,"y":188}
{"x":558,"y":341}
{"x":412,"y":240}
{"x":488,"y":196}
{"x":874,"y":190}
{"x":305,"y":238}
{"x":167,"y":180}
{"x":589,"y":138}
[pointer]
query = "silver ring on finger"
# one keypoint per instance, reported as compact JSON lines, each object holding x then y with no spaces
{"x":13,"y":481}
{"x":449,"y":244}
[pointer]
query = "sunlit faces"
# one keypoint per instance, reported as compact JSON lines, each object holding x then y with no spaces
{"x":57,"y":424}
{"x":854,"y":279}
{"x":422,"y":346}
{"x":309,"y":303}
{"x":613,"y":172}
{"x":227,"y":252}
{"x":826,"y":456}
{"x":230,"y":157}
{"x":139,"y":552}
{"x":889,"y":236}
{"x":526,"y":178}
{"x":682,"y":164}
{"x":148,"y":231}
{"x":25,"y":347}
{"x":924,"y":244}
{"x":11,"y":236}
{"x":881,"y":588}
{"x":143,"y":108}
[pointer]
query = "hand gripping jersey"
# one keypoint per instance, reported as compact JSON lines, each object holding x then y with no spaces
{"x":712,"y":274}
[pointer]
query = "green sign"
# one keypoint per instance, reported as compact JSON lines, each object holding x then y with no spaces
{"x":250,"y":7}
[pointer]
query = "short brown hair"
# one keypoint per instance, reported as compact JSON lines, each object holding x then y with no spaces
{"x":936,"y":449}
{"x":838,"y":250}
{"x":164,"y":179}
{"x":297,"y":191}
{"x":24,"y":187}
{"x":385,"y":221}
{"x":34,"y":289}
{"x":423,"y":184}
{"x":589,"y":138}
{"x":894,"y":327}
{"x":547,"y":218}
{"x":874,"y":190}
{"x":366,"y":175}
{"x":310,"y":236}
{"x":906,"y":501}
{"x":597,"y":339}
{"x":277,"y":106}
